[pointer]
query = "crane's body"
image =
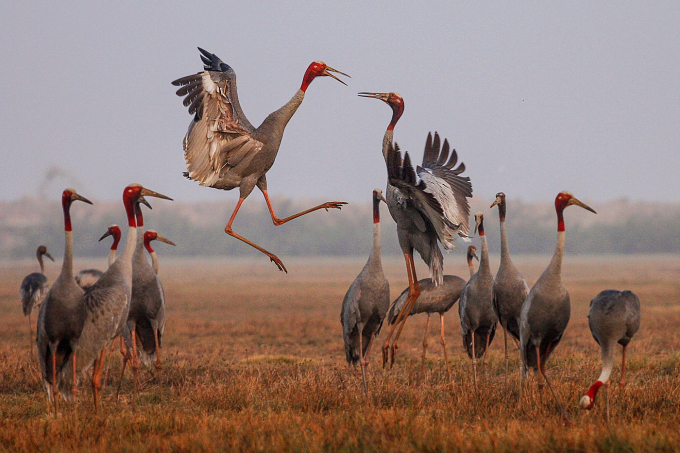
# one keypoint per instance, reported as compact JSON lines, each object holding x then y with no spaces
{"x":366,"y":301}
{"x":614,"y":317}
{"x":223,"y":150}
{"x":107,"y":303}
{"x":510,"y":290}
{"x":34,"y":286}
{"x":546,"y":310}
{"x":477,"y":318}
{"x":88,"y":277}
{"x":61,"y":317}
{"x":431,"y":210}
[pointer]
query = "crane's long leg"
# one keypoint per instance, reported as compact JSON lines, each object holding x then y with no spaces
{"x":474,"y":362}
{"x":362,"y":362}
{"x":227,"y":229}
{"x":414,"y":293}
{"x":607,"y":385}
{"x":328,"y":205}
{"x":135,"y":362}
{"x":75,"y":380}
{"x":30,"y":336}
{"x":97,"y":378}
{"x":622,"y":382}
{"x":55,"y":392}
{"x":402,"y":313}
{"x":443,"y":342}
{"x":427,"y":332}
{"x":541,"y":369}
{"x":505,"y":342}
{"x":159,"y":367}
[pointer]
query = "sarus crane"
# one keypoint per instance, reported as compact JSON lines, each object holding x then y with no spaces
{"x":546,"y":310}
{"x":33,"y":289}
{"x":614,"y":317}
{"x":366,"y":301}
{"x":427,"y":211}
{"x":223,"y":150}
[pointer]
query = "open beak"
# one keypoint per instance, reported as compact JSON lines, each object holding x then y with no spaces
{"x":329,"y":70}
{"x":150,"y":193}
{"x":162,"y":239}
{"x":75,"y":196}
{"x":382,"y":96}
{"x":143,"y":201}
{"x":576,"y":202}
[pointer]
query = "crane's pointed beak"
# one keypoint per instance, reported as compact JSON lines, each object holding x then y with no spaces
{"x":75,"y":196}
{"x":576,"y":202}
{"x":107,"y":234}
{"x":143,"y":201}
{"x":47,"y":254}
{"x":329,"y":70}
{"x":150,"y":193}
{"x":382,"y":96}
{"x":381,"y":197}
{"x":474,"y":255}
{"x":162,"y":239}
{"x":497,"y":202}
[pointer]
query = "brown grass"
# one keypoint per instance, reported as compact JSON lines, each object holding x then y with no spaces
{"x":254,"y":361}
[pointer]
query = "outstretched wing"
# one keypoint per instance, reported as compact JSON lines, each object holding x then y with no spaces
{"x":220,"y":136}
{"x":401,"y":175}
{"x":445,"y":183}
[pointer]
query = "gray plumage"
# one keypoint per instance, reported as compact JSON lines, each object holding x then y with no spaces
{"x":222,"y":149}
{"x":432,"y":299}
{"x":614,"y":317}
{"x":61,"y":317}
{"x":477,"y":318}
{"x":509,"y":287}
{"x":34,"y":286}
{"x":88,"y":277}
{"x":367,"y":299}
{"x":546,"y":310}
{"x":427,"y":211}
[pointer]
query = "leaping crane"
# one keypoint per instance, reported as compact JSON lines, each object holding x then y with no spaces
{"x":223,"y":150}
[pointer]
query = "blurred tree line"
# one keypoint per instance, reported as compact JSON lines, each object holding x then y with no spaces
{"x":620,"y":227}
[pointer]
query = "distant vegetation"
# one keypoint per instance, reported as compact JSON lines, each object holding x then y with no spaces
{"x":620,"y":227}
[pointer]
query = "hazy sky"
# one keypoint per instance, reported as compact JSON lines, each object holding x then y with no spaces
{"x":537,"y":97}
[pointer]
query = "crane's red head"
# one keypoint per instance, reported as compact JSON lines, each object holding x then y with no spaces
{"x":114,"y":231}
{"x":132,"y":195}
{"x":562,"y":201}
{"x":471,"y":253}
{"x":151,"y":235}
{"x":588,"y":400}
{"x":392,"y":99}
{"x":479,"y":223}
{"x":319,"y":69}
{"x":500,"y":202}
{"x":68,"y":197}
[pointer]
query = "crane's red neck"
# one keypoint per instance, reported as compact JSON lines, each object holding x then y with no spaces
{"x":592,"y":392}
{"x":376,"y":207}
{"x":480,"y":227}
{"x":397,"y":104}
{"x":115,"y":232}
{"x":138,"y":215}
{"x":561,"y":202}
{"x":130,"y":196}
{"x":501,"y":209}
{"x":66,"y":206}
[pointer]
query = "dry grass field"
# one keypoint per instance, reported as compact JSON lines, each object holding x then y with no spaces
{"x":254,"y":361}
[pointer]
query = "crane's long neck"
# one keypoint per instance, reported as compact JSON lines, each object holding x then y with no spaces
{"x":154,"y":261}
{"x":388,"y":140}
{"x":607,"y":366}
{"x":276,"y":122}
{"x":484,"y":267}
{"x":375,"y":251}
{"x":556,"y":262}
{"x":124,"y":260}
{"x":67,"y":265}
{"x":112,"y":256}
{"x":42,"y":265}
{"x":471,"y":267}
{"x":505,"y":251}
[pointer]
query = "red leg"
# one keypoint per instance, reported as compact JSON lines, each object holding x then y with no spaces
{"x":230,"y":232}
{"x":427,"y":332}
{"x":97,"y":379}
{"x":75,"y":380}
{"x":414,"y":293}
{"x":158,"y":351}
{"x":135,"y":362}
{"x":541,"y":369}
{"x":622,"y":382}
{"x":55,"y":391}
{"x":443,"y":341}
{"x":401,"y":315}
{"x":326,"y":206}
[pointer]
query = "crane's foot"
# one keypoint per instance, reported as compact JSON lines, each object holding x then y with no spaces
{"x":275,"y":259}
{"x":333,"y":205}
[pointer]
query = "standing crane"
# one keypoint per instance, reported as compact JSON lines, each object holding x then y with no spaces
{"x":366,"y":301}
{"x":223,"y":150}
{"x":108,"y":301}
{"x":471,"y":253}
{"x":429,"y":211}
{"x":614,"y":317}
{"x":546,"y":310}
{"x":61,"y":317}
{"x":477,"y":318}
{"x":88,"y":277}
{"x":33,"y":289}
{"x":509,"y":287}
{"x":432,"y":299}
{"x":146,"y":318}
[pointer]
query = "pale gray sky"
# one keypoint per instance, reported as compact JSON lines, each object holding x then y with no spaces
{"x":537,"y":97}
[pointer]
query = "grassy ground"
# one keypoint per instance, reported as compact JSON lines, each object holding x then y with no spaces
{"x":254,"y":361}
